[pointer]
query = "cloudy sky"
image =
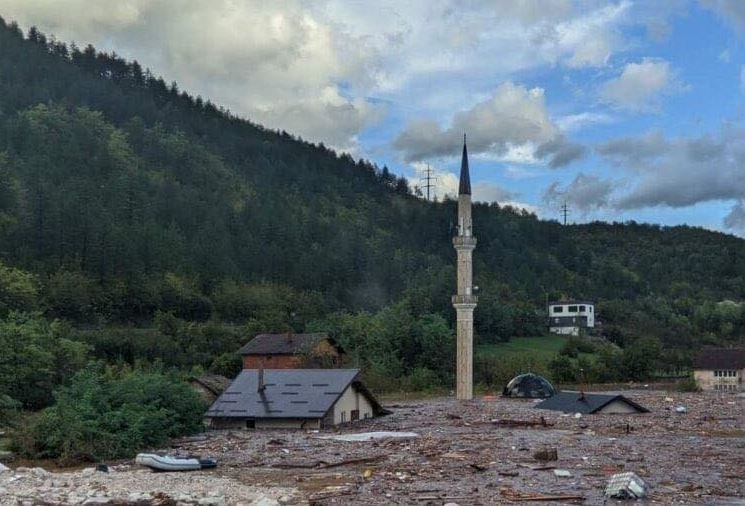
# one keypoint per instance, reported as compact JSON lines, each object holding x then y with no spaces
{"x":626,"y":110}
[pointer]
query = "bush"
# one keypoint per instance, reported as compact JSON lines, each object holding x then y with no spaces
{"x":109,"y":413}
{"x":421,"y":379}
{"x":687,"y":385}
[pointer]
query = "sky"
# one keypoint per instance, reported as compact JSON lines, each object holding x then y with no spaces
{"x":625,"y":110}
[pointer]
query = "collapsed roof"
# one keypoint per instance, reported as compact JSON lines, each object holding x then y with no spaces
{"x":529,"y":386}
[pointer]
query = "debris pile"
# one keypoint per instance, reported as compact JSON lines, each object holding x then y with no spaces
{"x":495,"y":451}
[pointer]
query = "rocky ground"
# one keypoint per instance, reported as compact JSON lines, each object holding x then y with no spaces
{"x":479,"y":452}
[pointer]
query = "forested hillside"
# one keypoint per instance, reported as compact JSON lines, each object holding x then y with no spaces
{"x":155,"y":225}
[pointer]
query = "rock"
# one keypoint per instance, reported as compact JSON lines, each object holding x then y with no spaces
{"x":4,"y":468}
{"x":97,"y":500}
{"x":562,"y":473}
{"x":286,"y":499}
{"x":265,"y":501}
{"x":88,"y":471}
{"x":212,"y":501}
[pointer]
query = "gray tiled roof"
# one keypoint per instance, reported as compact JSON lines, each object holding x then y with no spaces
{"x":570,"y":402}
{"x":283,"y":344}
{"x":288,"y":393}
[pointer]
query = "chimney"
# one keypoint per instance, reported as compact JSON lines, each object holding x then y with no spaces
{"x":261,"y":386}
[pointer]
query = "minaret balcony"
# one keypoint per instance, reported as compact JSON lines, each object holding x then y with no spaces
{"x":464,"y":241}
{"x":465,"y":299}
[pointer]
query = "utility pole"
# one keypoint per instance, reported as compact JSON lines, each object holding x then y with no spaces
{"x":565,"y":211}
{"x":429,"y":180}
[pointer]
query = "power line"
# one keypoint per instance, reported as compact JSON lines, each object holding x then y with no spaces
{"x":565,"y":211}
{"x":429,"y":180}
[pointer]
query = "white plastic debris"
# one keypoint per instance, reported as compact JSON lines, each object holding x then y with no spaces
{"x":681,"y":409}
{"x":669,"y":399}
{"x":3,"y":468}
{"x":369,"y":436}
{"x":578,"y":415}
{"x":626,"y":486}
{"x":562,"y":473}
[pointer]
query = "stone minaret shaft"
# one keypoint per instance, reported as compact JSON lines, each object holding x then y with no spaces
{"x":464,"y":301}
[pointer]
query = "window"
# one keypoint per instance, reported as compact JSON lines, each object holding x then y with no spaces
{"x":343,"y":416}
{"x":590,"y":308}
{"x":354,"y":415}
{"x":572,"y":309}
{"x":582,"y":309}
{"x":558,"y":309}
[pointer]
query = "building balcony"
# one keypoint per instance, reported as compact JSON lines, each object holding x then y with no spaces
{"x":464,"y":299}
{"x":464,"y":241}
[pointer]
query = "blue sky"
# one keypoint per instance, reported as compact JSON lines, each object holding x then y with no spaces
{"x":626,"y":110}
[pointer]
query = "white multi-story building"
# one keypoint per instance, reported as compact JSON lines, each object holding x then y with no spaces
{"x":568,"y":317}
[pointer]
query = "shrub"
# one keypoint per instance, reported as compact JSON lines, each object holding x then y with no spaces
{"x":687,"y":385}
{"x":109,"y":413}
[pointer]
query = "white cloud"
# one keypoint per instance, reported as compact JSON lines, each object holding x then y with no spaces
{"x":641,"y":85}
{"x":679,"y":172}
{"x":731,"y":11}
{"x":512,"y":124}
{"x":585,"y":193}
{"x":280,"y":64}
{"x":575,"y":122}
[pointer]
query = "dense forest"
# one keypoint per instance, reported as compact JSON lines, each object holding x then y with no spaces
{"x":140,"y":224}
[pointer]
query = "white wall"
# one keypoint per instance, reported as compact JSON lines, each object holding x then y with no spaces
{"x":617,"y":407}
{"x":589,"y":311}
{"x":351,"y":399}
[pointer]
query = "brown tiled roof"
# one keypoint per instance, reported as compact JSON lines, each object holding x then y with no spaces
{"x":720,"y":358}
{"x":285,"y":344}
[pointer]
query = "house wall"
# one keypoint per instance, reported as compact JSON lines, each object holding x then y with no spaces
{"x":270,"y":361}
{"x":589,"y":311}
{"x":350,"y":400}
{"x":565,"y":331}
{"x":706,"y":380}
{"x":324,"y":354}
{"x":617,"y":407}
{"x":225,"y":423}
{"x":288,"y":423}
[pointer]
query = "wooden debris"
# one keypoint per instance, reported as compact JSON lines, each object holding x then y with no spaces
{"x":517,"y":496}
{"x":523,"y":423}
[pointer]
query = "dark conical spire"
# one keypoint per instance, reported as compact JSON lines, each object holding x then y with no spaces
{"x":465,"y":178}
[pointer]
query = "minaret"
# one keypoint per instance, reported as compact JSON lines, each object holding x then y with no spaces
{"x":464,"y":301}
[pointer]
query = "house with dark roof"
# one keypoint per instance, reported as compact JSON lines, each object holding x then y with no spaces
{"x":590,"y":404}
{"x":720,"y":369}
{"x":293,"y":398}
{"x":289,"y":351}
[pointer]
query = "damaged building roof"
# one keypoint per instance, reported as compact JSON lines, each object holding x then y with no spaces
{"x":587,"y":404}
{"x":287,"y":393}
{"x":529,"y":386}
{"x":285,"y":344}
{"x":720,"y":358}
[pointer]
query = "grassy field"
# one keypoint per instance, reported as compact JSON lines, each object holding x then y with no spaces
{"x":544,"y":347}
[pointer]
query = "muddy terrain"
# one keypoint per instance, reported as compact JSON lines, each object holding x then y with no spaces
{"x":487,"y":451}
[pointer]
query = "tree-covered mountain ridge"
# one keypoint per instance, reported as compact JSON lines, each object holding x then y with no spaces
{"x":123,"y":198}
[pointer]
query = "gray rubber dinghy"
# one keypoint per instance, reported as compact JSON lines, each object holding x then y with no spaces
{"x":169,"y":463}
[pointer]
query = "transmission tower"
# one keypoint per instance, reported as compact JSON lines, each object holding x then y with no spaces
{"x":428,"y":180}
{"x":565,"y":211}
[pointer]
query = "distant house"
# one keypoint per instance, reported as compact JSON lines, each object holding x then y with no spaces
{"x":210,"y":386}
{"x":293,"y":399}
{"x":590,"y":404}
{"x":720,"y":369}
{"x":570,"y":317}
{"x":289,"y":351}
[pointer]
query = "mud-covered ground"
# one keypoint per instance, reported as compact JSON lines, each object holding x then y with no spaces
{"x":464,"y":455}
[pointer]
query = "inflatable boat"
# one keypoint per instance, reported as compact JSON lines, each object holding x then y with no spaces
{"x":166,"y":463}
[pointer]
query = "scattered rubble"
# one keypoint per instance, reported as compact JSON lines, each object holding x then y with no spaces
{"x":626,"y":486}
{"x":463,"y":459}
